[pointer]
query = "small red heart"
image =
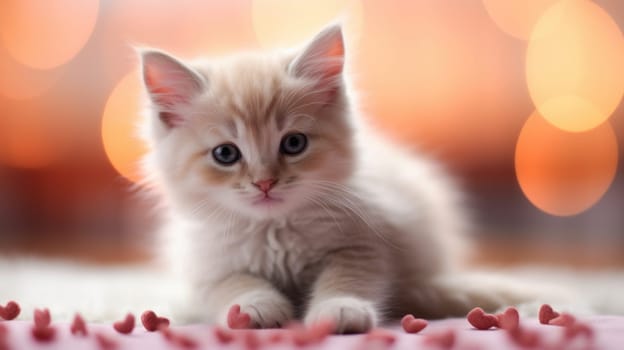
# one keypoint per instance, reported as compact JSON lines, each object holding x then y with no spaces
{"x":223,"y":336}
{"x":312,"y":334}
{"x":275,"y":337}
{"x":411,"y":324}
{"x":105,"y":342}
{"x":380,"y":335}
{"x":443,"y":339}
{"x":301,"y":337}
{"x":320,"y":330}
{"x":3,"y":336}
{"x":126,"y":326}
{"x":251,"y":340}
{"x":10,"y":311}
{"x":178,"y":339}
{"x":563,"y":320}
{"x":237,"y":319}
{"x":43,"y":334}
{"x":42,"y":318}
{"x":577,"y":329}
{"x":509,"y":319}
{"x":546,"y":313}
{"x":480,"y":320}
{"x":4,"y":345}
{"x":524,"y":338}
{"x":78,"y":326}
{"x":152,"y":322}
{"x":185,"y":342}
{"x":3,"y":333}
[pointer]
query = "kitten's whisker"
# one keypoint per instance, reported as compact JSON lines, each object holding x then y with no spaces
{"x":326,"y":209}
{"x":326,"y":187}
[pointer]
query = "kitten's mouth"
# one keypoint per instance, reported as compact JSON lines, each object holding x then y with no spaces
{"x":267,"y":200}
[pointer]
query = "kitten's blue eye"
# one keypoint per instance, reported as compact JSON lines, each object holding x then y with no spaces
{"x":226,"y":154}
{"x":293,"y":144}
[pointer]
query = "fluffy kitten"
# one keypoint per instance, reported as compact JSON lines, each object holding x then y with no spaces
{"x":283,"y":202}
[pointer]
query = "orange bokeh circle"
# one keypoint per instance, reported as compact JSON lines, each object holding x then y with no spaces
{"x":19,"y":82}
{"x":184,"y":27}
{"x":517,"y":17}
{"x":424,"y":72}
{"x":120,"y":120}
{"x":30,"y":138}
{"x":288,"y":23}
{"x":564,"y":173}
{"x":46,"y":34}
{"x":574,"y":65}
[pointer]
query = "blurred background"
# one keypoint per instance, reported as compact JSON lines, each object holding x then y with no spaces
{"x":520,"y":99}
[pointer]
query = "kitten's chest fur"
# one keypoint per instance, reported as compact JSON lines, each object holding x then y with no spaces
{"x":282,"y":252}
{"x":288,"y":252}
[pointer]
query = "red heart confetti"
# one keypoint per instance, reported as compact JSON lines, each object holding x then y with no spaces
{"x":444,"y":339}
{"x":578,"y":329}
{"x":78,"y":326}
{"x":237,"y":319}
{"x":297,"y":333}
{"x":546,"y":313}
{"x":380,"y":335}
{"x":223,"y":336}
{"x":126,"y":326}
{"x":251,"y":340}
{"x":10,"y":311}
{"x":411,"y":324}
{"x":276,"y":337}
{"x":563,"y":320}
{"x":320,"y":330}
{"x":313,"y":334}
{"x":4,"y":345}
{"x":509,"y":319}
{"x":481,"y":320}
{"x":524,"y":338}
{"x":153,"y":322}
{"x":105,"y":342}
{"x":178,"y":339}
{"x":43,"y":334}
{"x":42,"y":318}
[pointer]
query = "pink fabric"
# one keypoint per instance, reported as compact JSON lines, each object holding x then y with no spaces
{"x":608,"y":334}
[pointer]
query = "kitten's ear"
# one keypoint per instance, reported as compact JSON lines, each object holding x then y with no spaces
{"x":322,"y":59}
{"x":170,"y":85}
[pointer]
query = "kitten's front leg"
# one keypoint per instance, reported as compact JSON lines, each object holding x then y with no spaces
{"x":266,"y":306}
{"x":348,"y":292}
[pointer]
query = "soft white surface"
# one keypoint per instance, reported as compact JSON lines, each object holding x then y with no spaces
{"x":100,"y":293}
{"x":106,"y":293}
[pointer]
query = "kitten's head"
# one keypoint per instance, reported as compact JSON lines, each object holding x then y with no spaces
{"x":256,"y":134}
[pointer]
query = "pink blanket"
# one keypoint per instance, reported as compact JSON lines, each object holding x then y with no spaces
{"x":608,"y":333}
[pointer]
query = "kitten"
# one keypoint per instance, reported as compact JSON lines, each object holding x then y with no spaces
{"x":282,"y":201}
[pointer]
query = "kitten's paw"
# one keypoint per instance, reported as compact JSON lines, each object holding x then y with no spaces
{"x":349,"y":314}
{"x":259,"y":310}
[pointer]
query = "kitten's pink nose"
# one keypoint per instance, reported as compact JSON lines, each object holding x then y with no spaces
{"x":265,"y":185}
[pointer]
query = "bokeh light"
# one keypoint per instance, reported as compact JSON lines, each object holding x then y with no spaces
{"x":20,"y":82}
{"x":303,"y":19}
{"x":564,"y":173}
{"x":120,"y":119}
{"x":425,"y":73}
{"x":574,"y":65}
{"x":46,"y":34}
{"x":186,"y":27}
{"x":29,"y":137}
{"x":517,"y":17}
